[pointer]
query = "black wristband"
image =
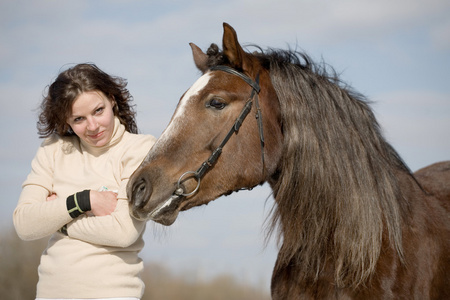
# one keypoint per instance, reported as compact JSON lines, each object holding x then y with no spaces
{"x":63,"y":230}
{"x":78,"y":203}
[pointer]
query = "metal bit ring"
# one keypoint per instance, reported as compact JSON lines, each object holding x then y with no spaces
{"x":194,"y":174}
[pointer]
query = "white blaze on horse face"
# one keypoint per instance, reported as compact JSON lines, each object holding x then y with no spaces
{"x":177,"y":120}
{"x":194,"y":90}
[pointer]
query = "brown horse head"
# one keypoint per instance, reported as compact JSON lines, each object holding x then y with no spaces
{"x":165,"y":183}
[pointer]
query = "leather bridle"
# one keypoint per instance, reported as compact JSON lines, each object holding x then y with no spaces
{"x":234,"y":129}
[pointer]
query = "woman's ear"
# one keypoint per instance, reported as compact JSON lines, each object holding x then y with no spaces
{"x":69,"y":130}
{"x":114,"y":105}
{"x":113,"y":100}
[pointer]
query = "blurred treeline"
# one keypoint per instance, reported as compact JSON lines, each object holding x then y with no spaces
{"x":18,"y":277}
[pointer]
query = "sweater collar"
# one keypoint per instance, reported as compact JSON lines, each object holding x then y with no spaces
{"x":119,"y":130}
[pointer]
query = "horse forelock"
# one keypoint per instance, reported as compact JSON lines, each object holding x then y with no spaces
{"x":341,"y":194}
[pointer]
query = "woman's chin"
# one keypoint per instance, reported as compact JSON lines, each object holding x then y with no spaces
{"x":95,"y":143}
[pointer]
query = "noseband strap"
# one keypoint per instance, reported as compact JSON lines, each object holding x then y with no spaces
{"x":237,"y":124}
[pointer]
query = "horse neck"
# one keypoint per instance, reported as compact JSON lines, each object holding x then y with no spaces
{"x":337,"y":189}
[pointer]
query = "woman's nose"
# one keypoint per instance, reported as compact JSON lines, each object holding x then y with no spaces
{"x":92,"y":124}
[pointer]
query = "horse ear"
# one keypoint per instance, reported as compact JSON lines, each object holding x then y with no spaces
{"x":200,"y":58}
{"x":231,"y":47}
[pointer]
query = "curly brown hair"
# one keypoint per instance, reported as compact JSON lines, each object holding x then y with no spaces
{"x":56,"y":107}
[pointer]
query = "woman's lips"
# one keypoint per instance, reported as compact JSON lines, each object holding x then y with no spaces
{"x":96,"y":136}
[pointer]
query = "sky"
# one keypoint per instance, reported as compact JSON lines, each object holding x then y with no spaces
{"x":395,"y":52}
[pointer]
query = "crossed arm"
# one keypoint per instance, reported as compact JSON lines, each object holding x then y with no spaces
{"x":109,"y":223}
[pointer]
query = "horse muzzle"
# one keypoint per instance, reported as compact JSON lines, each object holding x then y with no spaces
{"x":140,"y":192}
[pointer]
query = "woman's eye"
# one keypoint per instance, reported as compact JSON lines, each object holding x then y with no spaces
{"x":99,"y":110}
{"x":216,"y":103}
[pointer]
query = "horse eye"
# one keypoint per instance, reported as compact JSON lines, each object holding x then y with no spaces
{"x":216,"y":103}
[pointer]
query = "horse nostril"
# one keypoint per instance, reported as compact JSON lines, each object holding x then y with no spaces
{"x":140,"y":193}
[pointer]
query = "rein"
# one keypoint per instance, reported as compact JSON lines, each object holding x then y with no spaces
{"x":234,"y":129}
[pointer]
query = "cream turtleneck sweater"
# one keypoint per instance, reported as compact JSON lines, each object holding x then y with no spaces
{"x":99,"y":257}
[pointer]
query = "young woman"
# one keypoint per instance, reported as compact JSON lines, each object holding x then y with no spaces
{"x":76,"y":190}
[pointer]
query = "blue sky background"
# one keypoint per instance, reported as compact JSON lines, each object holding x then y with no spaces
{"x":396,"y":52}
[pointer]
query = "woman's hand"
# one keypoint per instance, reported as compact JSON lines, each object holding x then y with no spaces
{"x":52,"y":197}
{"x":102,"y":203}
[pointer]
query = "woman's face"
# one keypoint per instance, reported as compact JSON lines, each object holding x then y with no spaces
{"x":92,"y":118}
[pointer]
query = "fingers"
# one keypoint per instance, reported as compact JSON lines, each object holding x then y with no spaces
{"x":103,"y":203}
{"x":52,"y":197}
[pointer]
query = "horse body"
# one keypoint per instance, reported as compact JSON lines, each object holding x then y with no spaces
{"x":352,"y":221}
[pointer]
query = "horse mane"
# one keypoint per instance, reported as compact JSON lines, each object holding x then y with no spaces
{"x":341,"y":197}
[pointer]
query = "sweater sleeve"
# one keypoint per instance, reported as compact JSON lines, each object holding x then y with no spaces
{"x":118,"y":229}
{"x":34,"y":217}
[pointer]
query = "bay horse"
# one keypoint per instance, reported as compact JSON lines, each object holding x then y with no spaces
{"x":352,"y":221}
